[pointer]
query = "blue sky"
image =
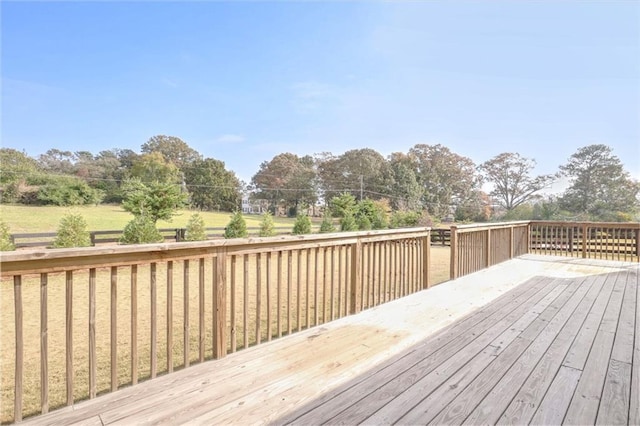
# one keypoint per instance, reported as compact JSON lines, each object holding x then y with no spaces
{"x":244,"y":81}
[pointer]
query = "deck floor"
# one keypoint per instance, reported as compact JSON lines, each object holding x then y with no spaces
{"x":541,"y":340}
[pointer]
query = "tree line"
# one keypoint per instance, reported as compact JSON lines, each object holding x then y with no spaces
{"x":431,"y":179}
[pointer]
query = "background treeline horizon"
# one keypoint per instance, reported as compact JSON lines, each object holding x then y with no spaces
{"x":428,"y":179}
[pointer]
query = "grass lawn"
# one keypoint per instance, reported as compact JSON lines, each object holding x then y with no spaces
{"x":22,"y":219}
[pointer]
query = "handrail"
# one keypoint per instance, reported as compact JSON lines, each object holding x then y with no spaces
{"x":478,"y":246}
{"x":233,"y":294}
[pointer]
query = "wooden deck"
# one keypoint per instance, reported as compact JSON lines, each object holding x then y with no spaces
{"x":542,"y":340}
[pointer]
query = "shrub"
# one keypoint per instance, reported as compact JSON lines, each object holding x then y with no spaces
{"x":404,"y":219}
{"x":158,"y":200}
{"x":364,"y":224}
{"x":69,"y":192}
{"x":72,"y":232}
{"x":342,"y":204}
{"x":237,"y":227}
{"x":141,"y":230}
{"x":370,"y":215}
{"x":379,"y":220}
{"x":348,"y":223}
{"x":195,"y":229}
{"x":302,"y":225}
{"x":5,"y":238}
{"x":327,"y":225}
{"x":267,"y":227}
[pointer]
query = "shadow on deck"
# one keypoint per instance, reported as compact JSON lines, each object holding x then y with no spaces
{"x":537,"y":339}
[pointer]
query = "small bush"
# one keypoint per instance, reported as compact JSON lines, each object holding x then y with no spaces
{"x":348,"y":223}
{"x":267,"y":226}
{"x":302,"y":225}
{"x":237,"y":227}
{"x":327,"y":225}
{"x":195,"y":229}
{"x":404,"y":219}
{"x":364,"y":224}
{"x":72,"y":232}
{"x":379,"y":220}
{"x":5,"y":238}
{"x":141,"y":230}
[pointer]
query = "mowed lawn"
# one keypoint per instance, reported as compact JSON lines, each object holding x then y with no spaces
{"x":23,"y":219}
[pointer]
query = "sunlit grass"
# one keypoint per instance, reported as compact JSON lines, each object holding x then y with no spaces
{"x":23,"y":219}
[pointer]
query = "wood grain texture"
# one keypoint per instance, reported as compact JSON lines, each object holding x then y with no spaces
{"x":437,"y":356}
{"x":44,"y":344}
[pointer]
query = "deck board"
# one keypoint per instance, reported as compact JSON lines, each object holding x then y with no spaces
{"x":537,"y":339}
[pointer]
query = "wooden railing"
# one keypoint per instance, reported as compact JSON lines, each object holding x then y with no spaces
{"x":597,"y":240}
{"x":81,"y":322}
{"x":78,"y":322}
{"x":475,"y":247}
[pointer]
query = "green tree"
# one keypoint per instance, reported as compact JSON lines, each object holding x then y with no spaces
{"x":348,"y":223}
{"x":406,"y":191}
{"x":6,"y":244}
{"x":237,"y":227}
{"x":343,"y":204}
{"x":72,"y":232}
{"x":510,"y":174}
{"x":155,"y":200}
{"x":57,"y":161}
{"x":212,"y":186}
{"x":195,"y":230}
{"x":302,"y":225}
{"x":327,"y":225}
{"x":267,"y":226}
{"x":173,"y":149}
{"x":370,"y":214}
{"x":475,"y":209}
{"x":599,"y":185}
{"x":446,"y":177}
{"x":153,"y":167}
{"x":360,"y":172}
{"x":141,"y":230}
{"x":17,"y":169}
{"x":286,"y":180}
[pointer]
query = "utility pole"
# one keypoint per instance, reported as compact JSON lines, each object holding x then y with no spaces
{"x":361,"y":182}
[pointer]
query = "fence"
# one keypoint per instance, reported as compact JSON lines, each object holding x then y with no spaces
{"x":121,"y":314}
{"x":45,"y":239}
{"x":612,"y":241}
{"x":126,"y":313}
{"x":475,"y":247}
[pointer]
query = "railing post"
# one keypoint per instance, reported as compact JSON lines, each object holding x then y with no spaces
{"x":19,"y":360}
{"x":511,"y":242}
{"x":638,"y":242}
{"x":487,"y":249}
{"x":585,"y":239}
{"x":426,"y":261}
{"x":220,"y":306}
{"x":453,"y":264}
{"x":356,"y":262}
